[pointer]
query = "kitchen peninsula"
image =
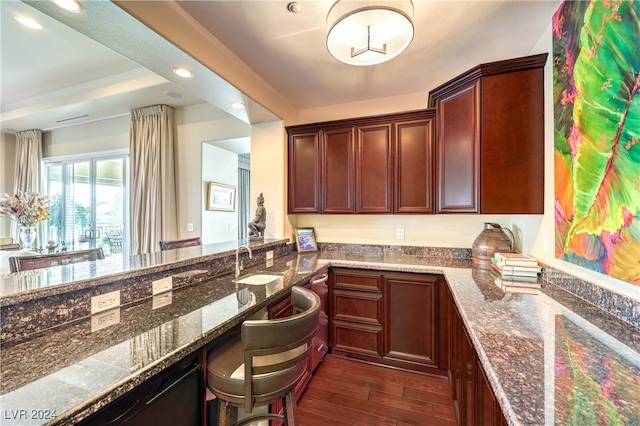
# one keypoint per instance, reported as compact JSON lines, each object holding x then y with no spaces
{"x":526,"y":345}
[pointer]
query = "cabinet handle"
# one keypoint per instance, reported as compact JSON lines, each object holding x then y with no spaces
{"x":196,"y":367}
{"x":127,"y":411}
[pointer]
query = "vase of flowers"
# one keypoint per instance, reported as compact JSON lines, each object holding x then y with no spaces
{"x":27,"y":209}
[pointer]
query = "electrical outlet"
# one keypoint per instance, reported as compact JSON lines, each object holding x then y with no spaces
{"x":270,"y":254}
{"x":105,"y":301}
{"x":400,"y":234}
{"x":189,"y":227}
{"x":161,"y":300}
{"x":162,"y":285}
{"x":105,"y":319}
{"x":545,"y":244}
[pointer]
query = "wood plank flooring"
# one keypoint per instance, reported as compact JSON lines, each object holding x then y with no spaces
{"x":346,"y":392}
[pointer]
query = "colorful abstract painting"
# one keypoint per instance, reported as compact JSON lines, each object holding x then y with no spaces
{"x":594,"y":385}
{"x":596,"y":78}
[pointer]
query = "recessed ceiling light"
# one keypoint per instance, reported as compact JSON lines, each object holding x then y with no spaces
{"x":237,"y":104}
{"x":68,"y":5}
{"x":29,"y":22}
{"x":183,"y":72}
{"x":173,"y":95}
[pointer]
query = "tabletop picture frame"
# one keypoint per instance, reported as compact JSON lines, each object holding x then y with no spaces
{"x":306,"y":240}
{"x":221,"y":197}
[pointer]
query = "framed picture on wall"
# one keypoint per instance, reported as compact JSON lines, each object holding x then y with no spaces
{"x":306,"y":240}
{"x":221,"y":197}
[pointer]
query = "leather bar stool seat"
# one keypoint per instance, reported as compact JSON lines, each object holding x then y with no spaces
{"x":264,"y":362}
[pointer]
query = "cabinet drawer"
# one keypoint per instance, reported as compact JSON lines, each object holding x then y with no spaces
{"x":357,"y":281}
{"x":357,"y":306}
{"x":357,"y":338}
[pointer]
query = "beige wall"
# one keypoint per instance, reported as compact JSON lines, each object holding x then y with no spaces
{"x":268,"y":175}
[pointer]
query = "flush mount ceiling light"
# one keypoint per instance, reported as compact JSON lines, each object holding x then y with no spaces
{"x":368,"y":32}
{"x":237,"y":104}
{"x":29,"y":22}
{"x":68,"y":5}
{"x":182,"y":72}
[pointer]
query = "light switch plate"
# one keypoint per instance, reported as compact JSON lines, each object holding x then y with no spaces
{"x":162,"y":285}
{"x":105,"y":301}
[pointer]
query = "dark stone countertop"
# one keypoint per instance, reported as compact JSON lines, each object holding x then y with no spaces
{"x":550,"y":357}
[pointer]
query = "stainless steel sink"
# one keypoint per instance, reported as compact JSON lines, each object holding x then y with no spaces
{"x":259,"y":279}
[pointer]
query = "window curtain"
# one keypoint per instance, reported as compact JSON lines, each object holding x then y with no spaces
{"x":28,"y":173}
{"x":153,"y":190}
{"x":244,"y":191}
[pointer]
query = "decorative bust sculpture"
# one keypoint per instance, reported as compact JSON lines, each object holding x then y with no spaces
{"x":257,"y":225}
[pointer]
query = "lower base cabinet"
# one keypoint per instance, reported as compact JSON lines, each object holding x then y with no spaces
{"x":474,"y":402}
{"x":173,"y":397}
{"x":410,"y":321}
{"x":385,"y":317}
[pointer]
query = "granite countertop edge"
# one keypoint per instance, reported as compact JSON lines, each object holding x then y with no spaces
{"x":453,"y":270}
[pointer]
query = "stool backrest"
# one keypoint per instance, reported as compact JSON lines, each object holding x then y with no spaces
{"x":24,"y":263}
{"x":279,"y":344}
{"x":174,"y":244}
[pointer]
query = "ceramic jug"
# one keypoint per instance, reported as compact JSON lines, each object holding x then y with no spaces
{"x":492,"y":239}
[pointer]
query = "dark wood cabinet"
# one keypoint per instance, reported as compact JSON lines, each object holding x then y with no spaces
{"x":490,"y":139}
{"x":304,"y":173}
{"x":379,"y":165}
{"x":373,"y":169}
{"x":411,"y":319}
{"x":413,"y":165}
{"x":385,"y":317}
{"x":356,"y":312}
{"x":338,"y":170}
{"x":473,"y":398}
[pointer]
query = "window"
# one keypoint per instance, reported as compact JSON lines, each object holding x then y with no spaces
{"x":89,"y":203}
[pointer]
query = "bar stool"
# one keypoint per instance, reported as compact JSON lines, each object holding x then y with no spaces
{"x":264,"y":362}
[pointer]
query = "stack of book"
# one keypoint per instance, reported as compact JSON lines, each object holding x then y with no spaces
{"x":516,"y":273}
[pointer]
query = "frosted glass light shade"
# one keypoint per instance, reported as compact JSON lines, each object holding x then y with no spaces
{"x":368,"y":33}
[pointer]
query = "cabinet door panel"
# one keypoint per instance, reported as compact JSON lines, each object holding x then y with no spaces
{"x":413,"y":187}
{"x":357,"y":338}
{"x":373,"y":169}
{"x":458,"y":150}
{"x":304,"y":173}
{"x":514,"y":104}
{"x":338,"y":171}
{"x":357,"y":306}
{"x":411,"y":320}
{"x":354,"y":280}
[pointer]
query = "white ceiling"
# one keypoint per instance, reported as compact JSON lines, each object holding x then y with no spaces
{"x":59,"y":73}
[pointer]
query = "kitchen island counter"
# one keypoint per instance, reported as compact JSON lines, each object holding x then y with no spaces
{"x":541,"y":352}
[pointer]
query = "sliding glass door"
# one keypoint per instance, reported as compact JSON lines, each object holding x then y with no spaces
{"x":89,"y":204}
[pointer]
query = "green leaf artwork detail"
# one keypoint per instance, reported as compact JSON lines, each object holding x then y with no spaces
{"x":597,"y":135}
{"x":607,"y":116}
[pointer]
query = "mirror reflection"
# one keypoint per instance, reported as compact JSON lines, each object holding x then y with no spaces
{"x":81,"y":101}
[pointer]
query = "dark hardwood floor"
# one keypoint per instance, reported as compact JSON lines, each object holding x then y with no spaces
{"x":346,"y":392}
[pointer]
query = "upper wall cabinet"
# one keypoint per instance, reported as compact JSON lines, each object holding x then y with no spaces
{"x":304,"y":173}
{"x":490,"y":139}
{"x":380,"y":164}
